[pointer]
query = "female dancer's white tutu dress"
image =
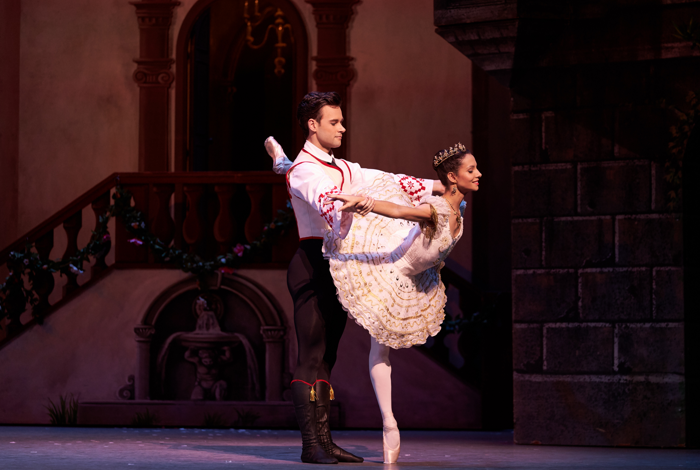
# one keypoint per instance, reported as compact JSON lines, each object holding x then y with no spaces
{"x":387,"y":271}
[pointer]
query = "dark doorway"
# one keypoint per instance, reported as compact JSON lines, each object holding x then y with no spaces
{"x":237,"y":95}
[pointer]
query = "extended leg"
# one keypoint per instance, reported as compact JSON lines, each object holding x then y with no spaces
{"x":380,"y":373}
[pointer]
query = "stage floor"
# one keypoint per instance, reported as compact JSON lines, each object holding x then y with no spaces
{"x":99,"y":448}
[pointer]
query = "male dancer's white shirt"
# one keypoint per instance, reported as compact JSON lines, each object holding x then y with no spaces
{"x":310,"y":184}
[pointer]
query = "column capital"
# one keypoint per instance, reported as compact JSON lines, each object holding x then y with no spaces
{"x":273,"y":334}
{"x":144,"y":332}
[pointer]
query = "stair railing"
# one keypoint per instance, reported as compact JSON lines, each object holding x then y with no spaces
{"x":206,"y":213}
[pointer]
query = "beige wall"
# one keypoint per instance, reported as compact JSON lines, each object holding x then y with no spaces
{"x":412,"y":94}
{"x":78,"y":119}
{"x":88,"y":348}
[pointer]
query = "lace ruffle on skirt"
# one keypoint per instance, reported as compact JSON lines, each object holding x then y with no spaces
{"x":398,"y":310}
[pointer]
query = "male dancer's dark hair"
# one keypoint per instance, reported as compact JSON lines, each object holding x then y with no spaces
{"x":311,"y":104}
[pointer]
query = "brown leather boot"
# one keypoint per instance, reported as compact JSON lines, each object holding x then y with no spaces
{"x":323,"y":429}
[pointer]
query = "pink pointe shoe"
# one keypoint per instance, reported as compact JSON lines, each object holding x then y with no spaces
{"x":390,"y":455}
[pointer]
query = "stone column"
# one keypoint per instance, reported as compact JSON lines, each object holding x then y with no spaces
{"x":334,"y":70}
{"x":153,"y":76}
{"x":144,"y":333}
{"x":274,"y":361}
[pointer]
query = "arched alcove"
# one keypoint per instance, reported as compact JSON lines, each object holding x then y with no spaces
{"x":229,"y":96}
{"x":243,"y":308}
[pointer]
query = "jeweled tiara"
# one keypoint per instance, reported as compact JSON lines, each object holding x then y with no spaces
{"x":443,"y":155}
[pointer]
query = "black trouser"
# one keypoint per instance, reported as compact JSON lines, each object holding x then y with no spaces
{"x":319,"y":319}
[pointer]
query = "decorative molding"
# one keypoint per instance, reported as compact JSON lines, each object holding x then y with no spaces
{"x":273,"y":334}
{"x":154,"y":72}
{"x":324,"y":18}
{"x":334,"y":70}
{"x":127,"y":392}
{"x":144,"y":332}
{"x":154,"y":13}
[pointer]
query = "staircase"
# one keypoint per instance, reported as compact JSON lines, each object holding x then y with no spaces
{"x":206,"y":213}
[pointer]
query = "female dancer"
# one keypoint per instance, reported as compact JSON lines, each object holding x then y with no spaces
{"x":387,"y":269}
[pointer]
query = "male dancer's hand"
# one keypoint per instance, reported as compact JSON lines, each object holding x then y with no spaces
{"x":438,"y":188}
{"x":358,"y":204}
{"x":365,"y":206}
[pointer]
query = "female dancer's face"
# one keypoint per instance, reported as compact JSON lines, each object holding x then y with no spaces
{"x":467,"y":176}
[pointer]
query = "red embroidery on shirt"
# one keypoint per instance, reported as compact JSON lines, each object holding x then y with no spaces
{"x":412,"y":186}
{"x":327,"y":210}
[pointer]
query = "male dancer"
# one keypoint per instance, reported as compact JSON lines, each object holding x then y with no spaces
{"x":319,"y":319}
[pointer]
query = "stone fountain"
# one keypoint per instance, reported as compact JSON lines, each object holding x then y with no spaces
{"x":209,"y":349}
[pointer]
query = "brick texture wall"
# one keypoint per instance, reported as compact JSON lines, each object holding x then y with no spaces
{"x":598,"y":337}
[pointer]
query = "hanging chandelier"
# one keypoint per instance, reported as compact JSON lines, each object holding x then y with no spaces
{"x":279,"y":27}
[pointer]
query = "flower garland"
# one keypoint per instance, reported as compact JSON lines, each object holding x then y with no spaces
{"x":15,"y":294}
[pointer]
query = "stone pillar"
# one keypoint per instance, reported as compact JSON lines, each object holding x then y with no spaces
{"x":144,"y":333}
{"x":153,"y":76}
{"x":600,"y":331}
{"x":274,"y":361}
{"x":10,"y":20}
{"x":334,"y":70}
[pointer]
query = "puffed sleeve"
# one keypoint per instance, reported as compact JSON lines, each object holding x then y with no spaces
{"x":416,"y":188}
{"x":310,"y":183}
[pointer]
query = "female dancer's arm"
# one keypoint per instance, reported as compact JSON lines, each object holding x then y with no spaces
{"x":421,"y":213}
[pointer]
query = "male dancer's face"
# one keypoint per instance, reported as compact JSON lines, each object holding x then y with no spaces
{"x":327,"y":132}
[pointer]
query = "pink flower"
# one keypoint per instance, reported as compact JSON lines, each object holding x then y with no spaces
{"x":106,"y":237}
{"x":136,"y":241}
{"x":239,"y":249}
{"x":74,"y":269}
{"x":226,"y":270}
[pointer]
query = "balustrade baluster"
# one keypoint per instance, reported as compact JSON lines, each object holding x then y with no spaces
{"x":224,"y":226}
{"x":43,"y":282}
{"x":72,"y":226}
{"x":178,"y":215}
{"x":126,"y":252}
{"x":163,"y":225}
{"x":192,"y":226}
{"x":256,"y":219}
{"x":99,"y":207}
{"x":287,"y":245}
{"x":15,"y":302}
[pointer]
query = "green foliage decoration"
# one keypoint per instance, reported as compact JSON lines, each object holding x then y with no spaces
{"x":65,"y":412}
{"x":145,"y":419}
{"x":682,"y":130}
{"x":16,"y":294}
{"x":214,"y":421}
{"x":680,"y":133}
{"x":245,"y":419}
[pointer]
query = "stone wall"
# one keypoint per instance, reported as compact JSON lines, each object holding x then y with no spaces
{"x":597,"y":260}
{"x":603,"y":339}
